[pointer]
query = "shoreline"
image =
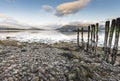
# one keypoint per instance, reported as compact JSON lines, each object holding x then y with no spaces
{"x":63,"y":61}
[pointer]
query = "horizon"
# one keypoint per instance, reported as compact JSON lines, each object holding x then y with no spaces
{"x":56,"y":12}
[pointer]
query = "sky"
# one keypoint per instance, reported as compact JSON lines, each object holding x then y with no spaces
{"x":45,"y":12}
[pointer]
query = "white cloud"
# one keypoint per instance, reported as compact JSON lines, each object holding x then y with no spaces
{"x":82,"y":23}
{"x":47,"y":8}
{"x":13,"y":23}
{"x":70,"y":7}
{"x":111,"y":18}
{"x":4,"y":16}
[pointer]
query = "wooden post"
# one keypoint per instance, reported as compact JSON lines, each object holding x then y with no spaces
{"x":113,"y":25}
{"x":115,"y":47}
{"x":88,"y":41}
{"x":78,"y":37}
{"x":91,"y":38}
{"x":96,"y":31}
{"x":106,"y":39}
{"x":82,"y":39}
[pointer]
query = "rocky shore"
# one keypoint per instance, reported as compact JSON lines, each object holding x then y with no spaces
{"x":55,"y":62}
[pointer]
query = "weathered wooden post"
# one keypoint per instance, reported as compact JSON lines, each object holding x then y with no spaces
{"x":82,"y":39}
{"x":106,"y":39}
{"x":91,"y":39}
{"x":96,"y":32}
{"x":88,"y":40}
{"x":115,"y":47}
{"x":94,"y":38}
{"x":113,"y":25}
{"x":78,"y":37}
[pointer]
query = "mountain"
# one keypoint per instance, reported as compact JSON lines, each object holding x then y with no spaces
{"x":35,"y":28}
{"x":9,"y":27}
{"x":12,"y":27}
{"x":11,"y":24}
{"x":70,"y":28}
{"x":74,"y":28}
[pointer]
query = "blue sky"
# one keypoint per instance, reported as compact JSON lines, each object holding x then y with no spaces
{"x":32,"y":11}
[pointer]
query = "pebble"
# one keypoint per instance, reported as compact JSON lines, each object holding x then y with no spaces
{"x":42,"y":63}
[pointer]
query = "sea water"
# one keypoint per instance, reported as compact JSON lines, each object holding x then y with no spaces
{"x":47,"y":36}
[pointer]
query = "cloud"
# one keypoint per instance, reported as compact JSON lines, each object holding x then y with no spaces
{"x":111,"y":18}
{"x":13,"y":23}
{"x":4,"y":16}
{"x":47,"y":8}
{"x":70,"y":7}
{"x":83,"y":24}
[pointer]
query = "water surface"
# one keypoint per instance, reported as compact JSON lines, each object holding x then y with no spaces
{"x":47,"y":36}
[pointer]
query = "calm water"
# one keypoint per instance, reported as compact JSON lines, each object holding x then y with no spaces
{"x":46,"y":36}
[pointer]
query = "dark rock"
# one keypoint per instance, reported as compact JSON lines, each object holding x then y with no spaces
{"x":68,"y":55}
{"x":23,"y":50}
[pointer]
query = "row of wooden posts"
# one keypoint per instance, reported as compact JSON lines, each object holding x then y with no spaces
{"x":110,"y":53}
